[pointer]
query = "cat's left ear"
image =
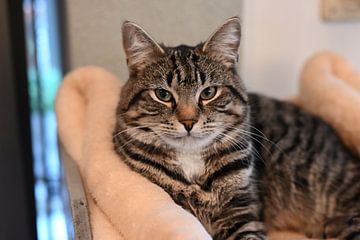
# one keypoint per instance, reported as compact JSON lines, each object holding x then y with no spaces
{"x":140,"y":48}
{"x":224,"y":43}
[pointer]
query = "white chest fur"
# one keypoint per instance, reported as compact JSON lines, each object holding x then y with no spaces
{"x":191,"y":163}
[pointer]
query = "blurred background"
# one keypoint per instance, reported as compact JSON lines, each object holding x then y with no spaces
{"x":41,"y":40}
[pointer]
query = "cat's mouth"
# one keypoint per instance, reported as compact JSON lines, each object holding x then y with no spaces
{"x":189,"y":140}
{"x":190,"y":136}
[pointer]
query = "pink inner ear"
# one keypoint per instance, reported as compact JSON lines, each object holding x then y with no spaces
{"x":139,"y":46}
{"x":224,"y":43}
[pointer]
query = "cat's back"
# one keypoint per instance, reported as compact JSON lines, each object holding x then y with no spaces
{"x":287,"y":126}
{"x":302,"y":162}
{"x":284,"y":134}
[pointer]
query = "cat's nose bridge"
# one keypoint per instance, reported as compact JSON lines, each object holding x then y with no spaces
{"x":187,"y":112}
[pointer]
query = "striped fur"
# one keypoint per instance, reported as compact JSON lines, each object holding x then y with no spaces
{"x":310,"y":179}
{"x":248,"y":163}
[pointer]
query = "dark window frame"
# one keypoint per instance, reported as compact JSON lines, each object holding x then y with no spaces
{"x":17,"y":206}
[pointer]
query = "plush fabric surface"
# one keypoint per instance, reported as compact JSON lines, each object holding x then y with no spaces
{"x":330,"y":88}
{"x":125,"y":205}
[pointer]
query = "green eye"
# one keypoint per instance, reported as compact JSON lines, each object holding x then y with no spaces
{"x":208,"y":93}
{"x":163,"y":95}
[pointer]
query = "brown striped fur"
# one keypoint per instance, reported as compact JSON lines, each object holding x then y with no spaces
{"x":241,"y":163}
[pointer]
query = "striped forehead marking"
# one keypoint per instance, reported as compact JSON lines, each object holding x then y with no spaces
{"x":185,"y":68}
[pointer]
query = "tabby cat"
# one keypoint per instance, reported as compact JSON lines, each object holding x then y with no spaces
{"x":242,"y":163}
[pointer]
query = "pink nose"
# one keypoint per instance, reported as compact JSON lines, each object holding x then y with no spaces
{"x":188,"y":124}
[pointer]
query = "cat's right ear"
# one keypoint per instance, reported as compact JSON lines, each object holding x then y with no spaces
{"x":140,"y":48}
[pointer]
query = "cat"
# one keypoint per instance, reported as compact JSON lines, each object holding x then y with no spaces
{"x":242,"y":163}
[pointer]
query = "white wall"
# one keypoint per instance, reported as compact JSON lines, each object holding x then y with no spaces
{"x":94,"y":27}
{"x":279,"y":35}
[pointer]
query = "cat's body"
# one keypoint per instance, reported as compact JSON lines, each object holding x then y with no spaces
{"x":310,"y":180}
{"x":186,"y":122}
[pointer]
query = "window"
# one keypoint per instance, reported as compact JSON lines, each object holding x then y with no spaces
{"x":44,"y":76}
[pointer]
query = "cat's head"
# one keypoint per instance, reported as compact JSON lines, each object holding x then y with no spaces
{"x":185,"y":96}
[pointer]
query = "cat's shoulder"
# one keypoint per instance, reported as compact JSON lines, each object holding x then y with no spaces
{"x":266,"y":109}
{"x":260,"y":102}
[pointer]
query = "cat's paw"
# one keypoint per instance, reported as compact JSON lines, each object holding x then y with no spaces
{"x":251,"y":237}
{"x":343,"y":227}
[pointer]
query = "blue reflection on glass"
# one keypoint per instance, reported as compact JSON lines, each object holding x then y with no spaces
{"x":44,"y":76}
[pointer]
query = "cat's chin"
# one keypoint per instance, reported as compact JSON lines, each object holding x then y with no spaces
{"x":190,"y":143}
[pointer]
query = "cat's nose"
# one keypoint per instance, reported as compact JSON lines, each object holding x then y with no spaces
{"x":188,"y":124}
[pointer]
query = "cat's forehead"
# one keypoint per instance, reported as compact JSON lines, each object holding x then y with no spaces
{"x":182,"y":53}
{"x":184,"y":68}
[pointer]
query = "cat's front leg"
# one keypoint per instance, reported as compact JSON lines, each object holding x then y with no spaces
{"x":248,"y":235}
{"x":239,"y":219}
{"x":251,"y":230}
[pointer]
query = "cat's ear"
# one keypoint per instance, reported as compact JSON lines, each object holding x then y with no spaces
{"x":140,"y":48}
{"x":224,"y":43}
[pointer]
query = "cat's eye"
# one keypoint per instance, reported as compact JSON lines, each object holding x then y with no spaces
{"x":163,"y":95}
{"x":208,"y":93}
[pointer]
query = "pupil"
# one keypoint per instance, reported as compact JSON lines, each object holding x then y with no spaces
{"x":163,"y":94}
